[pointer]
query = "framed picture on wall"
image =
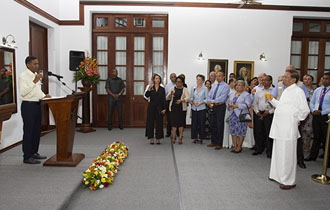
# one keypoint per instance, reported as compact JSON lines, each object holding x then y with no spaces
{"x":217,"y":65}
{"x":244,"y":70}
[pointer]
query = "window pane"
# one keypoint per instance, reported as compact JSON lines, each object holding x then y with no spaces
{"x":158,"y":43}
{"x":120,"y":22}
{"x":120,"y":43}
{"x":103,"y":72}
{"x":312,"y":62}
{"x":327,"y":48}
{"x":101,"y":88}
{"x":102,"y":43}
{"x":139,"y":22}
{"x":295,"y":60}
{"x":121,"y":72}
{"x":158,"y":70}
{"x":7,"y":58}
{"x":296,"y":47}
{"x":124,"y":93}
{"x":102,"y":58}
{"x":138,"y":58}
{"x":157,"y":58}
{"x":313,"y":47}
{"x":298,"y":27}
{"x":328,"y":28}
{"x":138,"y":73}
{"x":327,"y":62}
{"x":139,"y":43}
{"x":158,"y":22}
{"x":138,"y":88}
{"x":101,"y":22}
{"x":313,"y":73}
{"x":314,"y":27}
{"x":120,"y":58}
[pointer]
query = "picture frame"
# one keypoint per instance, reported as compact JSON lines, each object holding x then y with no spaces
{"x":239,"y":67}
{"x":212,"y":63}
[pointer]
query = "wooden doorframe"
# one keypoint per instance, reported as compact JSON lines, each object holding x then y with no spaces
{"x":35,"y":51}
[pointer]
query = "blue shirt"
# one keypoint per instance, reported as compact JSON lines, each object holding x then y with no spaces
{"x":316,"y":101}
{"x":199,"y":97}
{"x":221,"y":95}
{"x":168,"y":87}
{"x":275,"y":90}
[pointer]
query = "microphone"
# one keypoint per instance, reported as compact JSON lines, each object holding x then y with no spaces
{"x":55,"y":75}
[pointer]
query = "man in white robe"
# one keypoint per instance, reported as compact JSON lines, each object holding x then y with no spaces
{"x":290,"y":110}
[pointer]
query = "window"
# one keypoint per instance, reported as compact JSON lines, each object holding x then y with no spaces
{"x":310,"y":47}
{"x":101,"y":22}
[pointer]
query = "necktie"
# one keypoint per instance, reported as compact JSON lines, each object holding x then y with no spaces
{"x":322,"y":97}
{"x":215,"y":92}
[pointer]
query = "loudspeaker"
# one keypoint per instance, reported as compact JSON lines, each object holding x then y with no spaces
{"x":75,"y":58}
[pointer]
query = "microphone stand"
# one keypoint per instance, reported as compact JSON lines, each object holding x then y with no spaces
{"x":73,"y":92}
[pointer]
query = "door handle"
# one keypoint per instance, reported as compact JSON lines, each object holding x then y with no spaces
{"x":133,"y":98}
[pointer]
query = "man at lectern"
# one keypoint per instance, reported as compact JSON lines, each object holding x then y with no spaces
{"x":29,"y":85}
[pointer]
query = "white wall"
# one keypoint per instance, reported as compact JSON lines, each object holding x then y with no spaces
{"x":15,"y":20}
{"x":219,"y":33}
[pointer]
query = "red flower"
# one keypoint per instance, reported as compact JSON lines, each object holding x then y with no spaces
{"x":106,"y":184}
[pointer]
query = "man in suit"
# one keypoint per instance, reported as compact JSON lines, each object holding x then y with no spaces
{"x":30,"y":93}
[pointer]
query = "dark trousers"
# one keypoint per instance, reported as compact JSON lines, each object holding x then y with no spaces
{"x":198,"y":124}
{"x":300,"y":148}
{"x":217,"y":124}
{"x":168,"y":119}
{"x":261,"y":131}
{"x":31,"y":114}
{"x":320,"y":127}
{"x":112,"y":103}
{"x":153,"y":116}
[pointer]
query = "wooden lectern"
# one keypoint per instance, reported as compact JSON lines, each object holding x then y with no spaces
{"x":65,"y":114}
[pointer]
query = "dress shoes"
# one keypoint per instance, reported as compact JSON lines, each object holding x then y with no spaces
{"x":301,"y":165}
{"x":109,"y":129}
{"x":309,"y":158}
{"x":211,"y":145}
{"x":121,"y":128}
{"x":38,"y":156}
{"x":321,"y":156}
{"x":31,"y":161}
{"x":168,"y":135}
{"x":218,"y":148}
{"x":256,"y":153}
{"x":286,"y":187}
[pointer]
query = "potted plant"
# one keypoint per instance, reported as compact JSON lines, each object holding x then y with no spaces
{"x":88,"y":73}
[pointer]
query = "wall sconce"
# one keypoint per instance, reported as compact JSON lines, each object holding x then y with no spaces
{"x":262,"y":57}
{"x":200,"y":56}
{"x":6,"y":41}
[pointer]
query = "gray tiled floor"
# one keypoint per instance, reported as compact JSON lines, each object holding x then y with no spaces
{"x":209,"y":179}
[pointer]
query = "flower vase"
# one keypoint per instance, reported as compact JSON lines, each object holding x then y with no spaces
{"x":86,"y":83}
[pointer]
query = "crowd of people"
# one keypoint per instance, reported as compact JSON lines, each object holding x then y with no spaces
{"x":220,"y":111}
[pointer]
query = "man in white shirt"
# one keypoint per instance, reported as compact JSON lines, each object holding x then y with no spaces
{"x":263,"y":118}
{"x":29,"y":84}
{"x":290,"y":110}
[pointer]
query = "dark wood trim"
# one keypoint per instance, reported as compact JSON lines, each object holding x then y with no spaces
{"x":39,"y":11}
{"x":162,"y":4}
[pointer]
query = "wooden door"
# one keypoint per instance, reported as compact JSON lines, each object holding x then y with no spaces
{"x":39,"y":48}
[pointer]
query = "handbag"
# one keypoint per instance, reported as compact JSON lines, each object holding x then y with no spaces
{"x":245,"y":117}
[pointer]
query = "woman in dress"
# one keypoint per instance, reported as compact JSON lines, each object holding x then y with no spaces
{"x":238,"y":103}
{"x":156,"y":109}
{"x":307,"y":128}
{"x":179,"y":97}
{"x":198,"y":100}
{"x":207,"y":119}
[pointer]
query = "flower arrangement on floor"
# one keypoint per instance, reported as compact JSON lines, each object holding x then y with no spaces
{"x":102,"y":171}
{"x":88,"y":71}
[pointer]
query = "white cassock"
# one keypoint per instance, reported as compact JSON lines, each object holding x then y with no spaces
{"x":290,"y":110}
